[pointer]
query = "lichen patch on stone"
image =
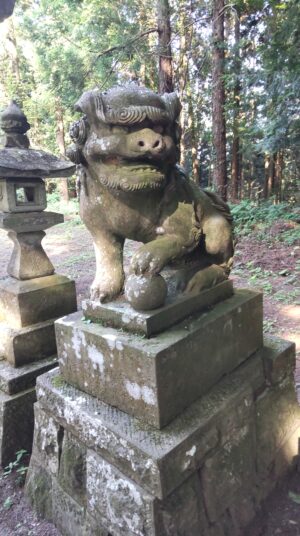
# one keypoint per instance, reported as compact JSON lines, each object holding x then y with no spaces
{"x":137,"y":392}
{"x":96,"y":357}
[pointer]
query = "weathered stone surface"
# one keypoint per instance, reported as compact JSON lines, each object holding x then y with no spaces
{"x":203,"y":474}
{"x":23,"y":303}
{"x":47,"y":443}
{"x":156,"y":379}
{"x":67,"y":514}
{"x":122,"y":506}
{"x":182,"y":513}
{"x":228,"y":471}
{"x":92,"y":527}
{"x":22,"y":195}
{"x":279,"y":359}
{"x":131,"y":187}
{"x":29,"y":259}
{"x":26,"y":345}
{"x":72,"y":468}
{"x":39,"y":490}
{"x":120,"y":315}
{"x":277,"y":419}
{"x":16,"y":424}
{"x":31,"y":221}
{"x":158,"y":461}
{"x":14,"y":380}
{"x":14,"y":123}
{"x":146,"y":292}
{"x":32,"y":163}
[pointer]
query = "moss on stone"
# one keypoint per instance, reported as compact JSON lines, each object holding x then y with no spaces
{"x":58,"y":381}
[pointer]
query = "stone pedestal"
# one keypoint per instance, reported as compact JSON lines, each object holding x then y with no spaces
{"x":31,"y":297}
{"x":156,"y":379}
{"x":96,"y":471}
{"x":17,"y":396}
{"x":28,"y":310}
{"x":181,"y":434}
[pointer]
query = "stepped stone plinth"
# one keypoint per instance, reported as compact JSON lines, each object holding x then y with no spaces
{"x":32,"y":296}
{"x":96,"y":470}
{"x":182,"y":433}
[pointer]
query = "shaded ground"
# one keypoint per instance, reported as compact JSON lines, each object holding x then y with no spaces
{"x":16,"y":518}
{"x":263,"y":260}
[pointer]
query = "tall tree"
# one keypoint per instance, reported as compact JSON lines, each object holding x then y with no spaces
{"x":165,"y":71}
{"x":218,"y":100}
{"x":235,"y":158}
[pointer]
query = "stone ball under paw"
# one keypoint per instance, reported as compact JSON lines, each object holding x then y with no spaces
{"x":146,"y":292}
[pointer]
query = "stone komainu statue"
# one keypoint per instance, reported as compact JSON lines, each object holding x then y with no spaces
{"x":126,"y":149}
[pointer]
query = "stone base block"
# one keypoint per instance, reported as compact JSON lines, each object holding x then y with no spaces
{"x":120,"y":315}
{"x":23,"y":303}
{"x":27,"y":313}
{"x":156,"y":379}
{"x":26,"y":345}
{"x":14,"y":380}
{"x":16,"y":424}
{"x":96,"y":471}
{"x":17,"y":396}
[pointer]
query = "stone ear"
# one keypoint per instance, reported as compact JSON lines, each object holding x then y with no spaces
{"x":87,"y":103}
{"x":173,"y":105}
{"x":91,"y":103}
{"x":82,"y":103}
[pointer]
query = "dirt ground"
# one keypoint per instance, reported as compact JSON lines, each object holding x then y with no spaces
{"x":261,"y":262}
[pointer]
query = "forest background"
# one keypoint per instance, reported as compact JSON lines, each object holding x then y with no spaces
{"x":235,"y":66}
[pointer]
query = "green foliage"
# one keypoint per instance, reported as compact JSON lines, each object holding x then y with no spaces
{"x":55,"y":203}
{"x":54,"y":50}
{"x":291,"y":236}
{"x":8,"y":503}
{"x":18,"y":467}
{"x":295,"y":497}
{"x":247,"y":214}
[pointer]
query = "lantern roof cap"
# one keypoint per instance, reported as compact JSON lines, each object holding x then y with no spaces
{"x":17,"y":159}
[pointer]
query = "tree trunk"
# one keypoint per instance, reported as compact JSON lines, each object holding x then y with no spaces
{"x":165,"y":71}
{"x":194,"y":139}
{"x":182,"y":71}
{"x":270,"y":178}
{"x":12,"y":49}
{"x":266,"y":181}
{"x":218,"y":101}
{"x":60,"y":140}
{"x":278,"y":176}
{"x":235,"y":162}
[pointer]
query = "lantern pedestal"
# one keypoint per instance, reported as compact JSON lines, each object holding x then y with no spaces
{"x":32,"y":296}
{"x":17,"y":396}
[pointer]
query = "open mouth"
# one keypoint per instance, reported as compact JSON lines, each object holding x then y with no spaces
{"x":137,"y":165}
{"x":124,"y":175}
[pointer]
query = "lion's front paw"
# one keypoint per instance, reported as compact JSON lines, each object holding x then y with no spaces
{"x":207,"y":278}
{"x":147,"y":261}
{"x":105,"y":292}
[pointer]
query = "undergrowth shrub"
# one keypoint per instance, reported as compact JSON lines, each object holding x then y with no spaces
{"x":248,"y":214}
{"x":55,"y":203}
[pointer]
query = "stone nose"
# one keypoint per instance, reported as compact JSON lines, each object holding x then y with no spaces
{"x":147,"y":141}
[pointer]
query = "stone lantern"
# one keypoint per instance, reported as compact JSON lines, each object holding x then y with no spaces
{"x":32,"y":296}
{"x":23,"y":196}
